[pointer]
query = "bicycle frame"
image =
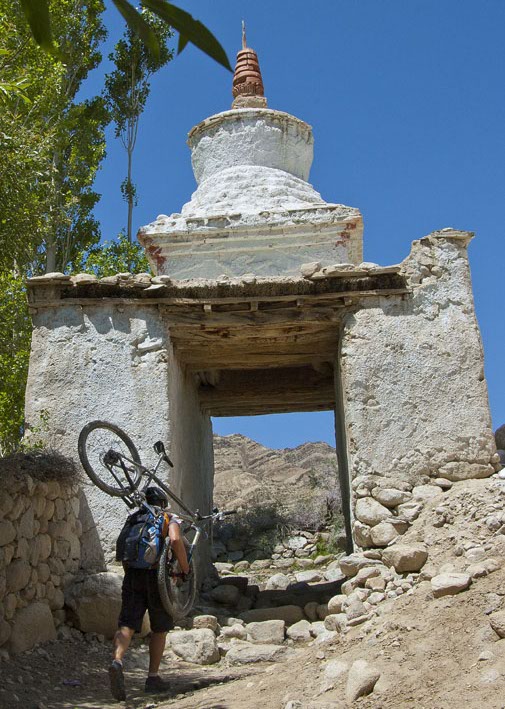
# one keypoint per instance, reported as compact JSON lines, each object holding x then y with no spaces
{"x":134,"y":499}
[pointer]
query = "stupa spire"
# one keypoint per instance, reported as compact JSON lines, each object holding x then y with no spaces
{"x":247,"y":90}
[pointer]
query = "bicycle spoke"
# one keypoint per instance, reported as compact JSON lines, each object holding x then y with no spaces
{"x":100,"y":442}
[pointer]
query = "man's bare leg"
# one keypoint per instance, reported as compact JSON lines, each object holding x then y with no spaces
{"x":121,"y":644}
{"x":122,"y":640}
{"x":156,"y":648}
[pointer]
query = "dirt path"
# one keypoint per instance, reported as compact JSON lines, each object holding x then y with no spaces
{"x":433,"y":654}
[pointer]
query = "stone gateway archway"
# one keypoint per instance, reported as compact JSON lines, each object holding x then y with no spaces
{"x":262,"y":304}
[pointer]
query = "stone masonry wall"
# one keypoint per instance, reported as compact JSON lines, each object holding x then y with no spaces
{"x":40,"y":549}
{"x":416,"y":406}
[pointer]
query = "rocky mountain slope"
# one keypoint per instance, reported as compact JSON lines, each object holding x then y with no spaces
{"x":248,"y":473}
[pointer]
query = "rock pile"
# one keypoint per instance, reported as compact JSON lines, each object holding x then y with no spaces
{"x":243,"y":553}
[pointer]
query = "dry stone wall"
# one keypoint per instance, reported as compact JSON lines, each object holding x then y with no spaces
{"x":40,"y":550}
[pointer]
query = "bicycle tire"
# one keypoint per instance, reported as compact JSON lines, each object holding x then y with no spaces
{"x":177,"y":600}
{"x":87,"y":450}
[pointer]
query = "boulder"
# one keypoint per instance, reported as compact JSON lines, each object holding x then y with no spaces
{"x":18,"y":575}
{"x":337,"y":603}
{"x":449,"y":584}
{"x":26,"y":524}
{"x":247,"y":653}
{"x":7,"y":532}
{"x":405,"y":557}
{"x":295,"y":543}
{"x":205,"y":621}
{"x":308,"y":269}
{"x":333,"y":672}
{"x":198,"y":646}
{"x":336,"y":622}
{"x":227,"y":595}
{"x":426,"y":492}
{"x":277,"y":582}
{"x":497,"y":621}
{"x":96,"y":602}
{"x":370,"y":511}
{"x":459,"y":470}
{"x":350,"y":565}
{"x":299,"y":632}
{"x":32,"y":625}
{"x":5,"y":631}
{"x":334,"y":572}
{"x":409,"y":511}
{"x":289,"y":614}
{"x":362,"y":534}
{"x":390,"y":497}
{"x":267,"y":632}
{"x":328,"y":637}
{"x":223,"y":567}
{"x":354,"y":607}
{"x":310,"y":610}
{"x":376,"y":583}
{"x":361,"y":680}
{"x":233,"y":631}
{"x":309,"y":576}
{"x":382,"y":534}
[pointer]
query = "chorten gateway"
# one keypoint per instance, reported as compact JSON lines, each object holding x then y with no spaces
{"x":262,"y":303}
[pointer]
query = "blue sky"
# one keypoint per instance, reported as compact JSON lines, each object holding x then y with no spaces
{"x":407,"y":102}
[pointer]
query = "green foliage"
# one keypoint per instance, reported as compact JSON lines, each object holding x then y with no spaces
{"x":50,"y":145}
{"x":331,"y":545}
{"x":127,"y":89}
{"x":39,"y":19}
{"x":15,"y":338}
{"x":113,"y":257}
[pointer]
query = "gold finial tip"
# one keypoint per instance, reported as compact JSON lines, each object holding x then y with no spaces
{"x":244,"y":40}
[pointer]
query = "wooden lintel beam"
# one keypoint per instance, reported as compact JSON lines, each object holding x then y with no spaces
{"x":258,"y":361}
{"x":287,"y":317}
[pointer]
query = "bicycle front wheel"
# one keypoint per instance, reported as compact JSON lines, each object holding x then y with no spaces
{"x":109,"y":458}
{"x":176,"y":596}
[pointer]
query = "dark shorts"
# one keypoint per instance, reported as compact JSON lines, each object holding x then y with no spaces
{"x":140,"y":593}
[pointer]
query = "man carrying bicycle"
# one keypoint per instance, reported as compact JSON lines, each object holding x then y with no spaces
{"x":140,"y":591}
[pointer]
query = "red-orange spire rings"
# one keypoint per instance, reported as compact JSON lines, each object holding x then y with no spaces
{"x":247,"y":79}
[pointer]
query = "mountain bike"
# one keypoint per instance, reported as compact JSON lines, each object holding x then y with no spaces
{"x":112,"y":462}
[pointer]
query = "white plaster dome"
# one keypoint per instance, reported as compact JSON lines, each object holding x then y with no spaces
{"x":251,"y":136}
{"x":250,"y":189}
{"x":251,"y":160}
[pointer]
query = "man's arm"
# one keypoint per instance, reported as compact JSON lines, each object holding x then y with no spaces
{"x":177,"y":544}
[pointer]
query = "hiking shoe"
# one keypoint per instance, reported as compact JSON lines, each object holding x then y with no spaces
{"x":156,"y":684}
{"x":116,"y":679}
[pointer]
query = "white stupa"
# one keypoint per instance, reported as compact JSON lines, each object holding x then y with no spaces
{"x":254,"y":211}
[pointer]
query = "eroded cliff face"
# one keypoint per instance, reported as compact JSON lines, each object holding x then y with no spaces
{"x":246,"y":472}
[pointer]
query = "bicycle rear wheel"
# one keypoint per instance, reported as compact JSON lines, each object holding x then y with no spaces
{"x":109,"y":458}
{"x":177,"y":597}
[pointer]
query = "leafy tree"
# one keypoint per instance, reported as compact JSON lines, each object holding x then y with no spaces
{"x":50,"y":145}
{"x":127,"y":88}
{"x":111,"y":257}
{"x":78,"y":145}
{"x":38,"y":16}
{"x":15,"y":336}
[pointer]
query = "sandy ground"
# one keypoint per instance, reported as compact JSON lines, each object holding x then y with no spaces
{"x":432,"y":653}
